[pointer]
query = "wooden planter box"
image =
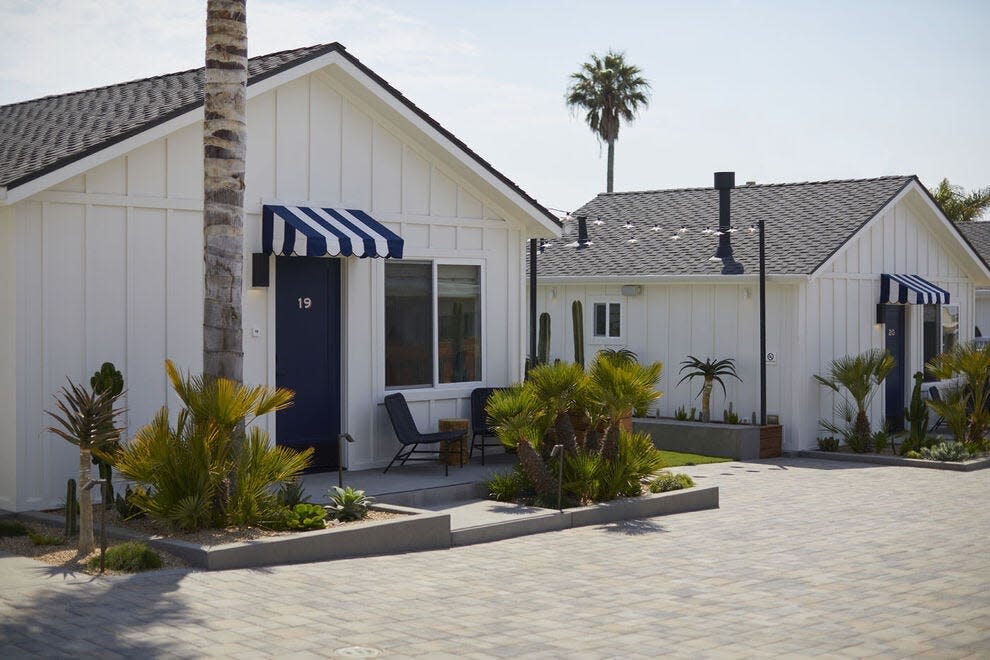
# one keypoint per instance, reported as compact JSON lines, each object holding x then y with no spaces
{"x":738,"y":441}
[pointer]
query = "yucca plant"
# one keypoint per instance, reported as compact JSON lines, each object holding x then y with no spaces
{"x":971,"y":364}
{"x":712,"y":372}
{"x":88,"y":420}
{"x":206,"y":471}
{"x":860,"y":376}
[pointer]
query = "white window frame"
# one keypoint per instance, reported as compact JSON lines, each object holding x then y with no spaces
{"x":606,"y":338}
{"x":437,"y":385}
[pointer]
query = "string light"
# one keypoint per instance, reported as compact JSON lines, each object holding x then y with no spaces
{"x":752,"y":229}
{"x":683,"y":229}
{"x":656,"y":227}
{"x":598,"y":221}
{"x":675,"y":237}
{"x":707,"y":230}
{"x":628,"y":225}
{"x":633,"y":240}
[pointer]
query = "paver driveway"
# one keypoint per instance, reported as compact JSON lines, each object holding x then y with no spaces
{"x":804,"y":557}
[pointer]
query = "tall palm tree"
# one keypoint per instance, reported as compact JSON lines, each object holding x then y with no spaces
{"x":224,"y":142}
{"x":959,"y":206}
{"x":609,"y":91}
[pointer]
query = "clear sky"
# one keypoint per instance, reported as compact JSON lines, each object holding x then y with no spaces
{"x":777,"y":91}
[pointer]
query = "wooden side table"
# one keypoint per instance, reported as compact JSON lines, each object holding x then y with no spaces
{"x":458,"y":449}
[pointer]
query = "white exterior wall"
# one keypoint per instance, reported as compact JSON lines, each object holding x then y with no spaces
{"x":668,"y":322}
{"x":839,"y":307}
{"x":107,"y":266}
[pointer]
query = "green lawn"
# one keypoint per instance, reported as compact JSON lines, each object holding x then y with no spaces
{"x":675,"y":459}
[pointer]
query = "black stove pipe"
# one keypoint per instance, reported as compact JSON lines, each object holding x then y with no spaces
{"x":724,"y":183}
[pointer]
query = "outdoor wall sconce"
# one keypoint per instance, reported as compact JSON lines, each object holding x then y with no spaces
{"x":880,"y":318}
{"x":259,"y":269}
{"x":631,"y":289}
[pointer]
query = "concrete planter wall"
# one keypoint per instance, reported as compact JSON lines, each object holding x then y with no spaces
{"x":738,"y":441}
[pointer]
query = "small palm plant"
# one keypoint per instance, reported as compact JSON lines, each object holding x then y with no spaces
{"x":620,"y":387}
{"x":971,"y":364}
{"x":207,"y":470}
{"x":861,"y":376}
{"x":87,"y":419}
{"x":712,"y":371}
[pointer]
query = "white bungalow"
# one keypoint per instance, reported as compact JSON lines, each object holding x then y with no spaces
{"x":101,"y":257}
{"x":851,"y":265}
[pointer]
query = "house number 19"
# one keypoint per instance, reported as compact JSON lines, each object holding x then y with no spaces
{"x":305,"y":303}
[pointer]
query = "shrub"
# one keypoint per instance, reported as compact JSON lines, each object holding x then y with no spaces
{"x":912,"y":454}
{"x":590,"y":477}
{"x":965,"y":408}
{"x":857,"y":378}
{"x":946,"y":451}
{"x":129,"y":557}
{"x":13,"y":528}
{"x":828,"y":443}
{"x":304,"y":516}
{"x":348,"y":504}
{"x":880,"y":440}
{"x":39,"y":538}
{"x":206,"y":471}
{"x":666,"y":481}
{"x":507,"y":486}
{"x":681,"y":414}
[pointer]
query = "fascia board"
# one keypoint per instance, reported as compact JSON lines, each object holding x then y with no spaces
{"x":668,"y":279}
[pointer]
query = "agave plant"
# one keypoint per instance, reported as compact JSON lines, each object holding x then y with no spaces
{"x":206,"y":471}
{"x":618,"y":356}
{"x":971,"y":364}
{"x":348,"y":504}
{"x":87,"y":419}
{"x":712,"y":371}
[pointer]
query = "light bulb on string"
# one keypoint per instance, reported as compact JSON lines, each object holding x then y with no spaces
{"x":598,"y":221}
{"x":683,"y":229}
{"x":752,"y":229}
{"x":732,"y":230}
{"x":627,"y":225}
{"x":656,"y":227}
{"x":633,"y":240}
{"x":708,"y":230}
{"x":675,"y":237}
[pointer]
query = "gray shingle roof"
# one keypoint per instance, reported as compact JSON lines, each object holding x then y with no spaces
{"x":39,"y":136}
{"x":805,"y":224}
{"x":43,"y":135}
{"x":978,"y":235}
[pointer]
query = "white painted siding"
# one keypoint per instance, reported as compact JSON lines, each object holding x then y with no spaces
{"x":840,"y":307}
{"x":669,"y":322}
{"x":108,"y":266}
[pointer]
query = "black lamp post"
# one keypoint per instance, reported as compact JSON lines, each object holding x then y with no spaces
{"x":763,"y":327}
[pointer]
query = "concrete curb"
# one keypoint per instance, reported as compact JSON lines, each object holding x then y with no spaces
{"x":419,"y":530}
{"x":430,"y":496}
{"x":962,"y":466}
{"x":679,"y":501}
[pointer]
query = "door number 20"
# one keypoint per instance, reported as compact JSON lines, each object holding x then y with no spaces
{"x":305,"y":303}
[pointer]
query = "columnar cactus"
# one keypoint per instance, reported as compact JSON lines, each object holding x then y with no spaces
{"x":543,"y":348}
{"x":577,"y":314}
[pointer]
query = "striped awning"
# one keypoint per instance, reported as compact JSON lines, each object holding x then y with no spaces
{"x":314,"y":232}
{"x":911,"y":289}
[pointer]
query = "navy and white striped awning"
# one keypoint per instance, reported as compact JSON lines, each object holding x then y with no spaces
{"x":911,"y":289}
{"x":314,"y":232}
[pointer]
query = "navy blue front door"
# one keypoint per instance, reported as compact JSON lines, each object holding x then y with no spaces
{"x":307,"y":354}
{"x":893,"y":319}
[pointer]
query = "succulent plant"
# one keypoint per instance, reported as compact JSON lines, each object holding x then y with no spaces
{"x":348,"y":503}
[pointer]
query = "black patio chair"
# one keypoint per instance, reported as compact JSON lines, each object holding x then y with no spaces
{"x":479,"y":421}
{"x":936,"y":396}
{"x":410,"y":437}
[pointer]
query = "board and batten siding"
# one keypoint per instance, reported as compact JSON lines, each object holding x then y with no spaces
{"x":838,"y":308}
{"x":108,"y":266}
{"x":668,"y":322}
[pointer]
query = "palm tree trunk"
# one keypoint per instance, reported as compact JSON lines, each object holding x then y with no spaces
{"x":536,"y":470}
{"x":86,"y":541}
{"x":611,"y":166}
{"x":224,"y":142}
{"x":706,"y":401}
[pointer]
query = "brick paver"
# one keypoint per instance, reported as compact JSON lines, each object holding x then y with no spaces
{"x":804,"y":558}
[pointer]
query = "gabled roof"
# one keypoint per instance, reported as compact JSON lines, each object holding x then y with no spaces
{"x":978,"y":235}
{"x":43,"y":135}
{"x":805,"y":224}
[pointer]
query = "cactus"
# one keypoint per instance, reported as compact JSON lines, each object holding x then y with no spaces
{"x":543,"y":348}
{"x":71,"y":508}
{"x":729,"y":416}
{"x":577,"y":314}
{"x":917,"y":414}
{"x":754,"y":418}
{"x":107,"y":379}
{"x":694,"y":415}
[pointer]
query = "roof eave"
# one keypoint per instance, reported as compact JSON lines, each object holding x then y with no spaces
{"x":667,"y":279}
